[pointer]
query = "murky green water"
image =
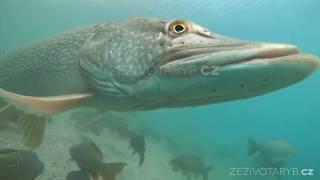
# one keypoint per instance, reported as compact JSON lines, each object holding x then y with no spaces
{"x":218,"y":133}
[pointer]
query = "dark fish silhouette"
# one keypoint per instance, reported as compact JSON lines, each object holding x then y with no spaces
{"x":137,"y":143}
{"x":191,"y":165}
{"x":271,"y":153}
{"x":19,"y":165}
{"x":273,"y":150}
{"x":78,"y":175}
{"x":89,"y":158}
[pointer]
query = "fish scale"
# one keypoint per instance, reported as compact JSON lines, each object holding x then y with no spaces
{"x":41,"y":62}
{"x":133,"y":64}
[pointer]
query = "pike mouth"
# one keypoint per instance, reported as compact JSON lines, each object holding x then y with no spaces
{"x":182,"y":53}
{"x":232,"y":54}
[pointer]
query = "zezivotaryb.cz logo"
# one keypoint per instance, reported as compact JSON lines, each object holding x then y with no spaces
{"x":271,"y":171}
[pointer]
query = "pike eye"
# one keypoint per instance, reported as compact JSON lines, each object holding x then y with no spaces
{"x":177,"y":28}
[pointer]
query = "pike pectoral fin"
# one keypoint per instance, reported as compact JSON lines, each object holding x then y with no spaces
{"x":36,"y":110}
{"x":32,"y":126}
{"x":43,"y":106}
{"x":33,"y":130}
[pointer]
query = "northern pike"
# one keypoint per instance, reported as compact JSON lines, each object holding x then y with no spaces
{"x":141,"y":64}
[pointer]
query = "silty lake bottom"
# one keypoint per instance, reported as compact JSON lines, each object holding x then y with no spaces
{"x":218,"y":134}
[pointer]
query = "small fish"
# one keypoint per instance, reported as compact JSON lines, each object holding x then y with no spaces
{"x":19,"y":165}
{"x":137,"y":143}
{"x":273,"y":150}
{"x":191,"y":165}
{"x":78,"y":175}
{"x":89,"y":158}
